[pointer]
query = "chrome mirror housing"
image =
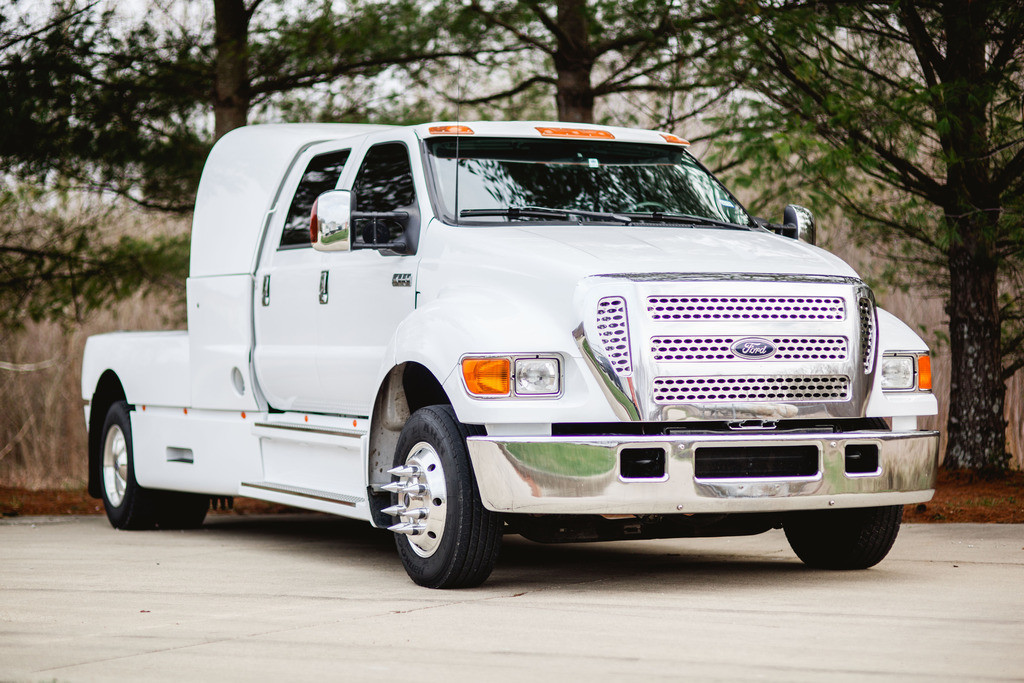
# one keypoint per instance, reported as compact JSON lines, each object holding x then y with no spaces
{"x":330,"y":225}
{"x":800,"y":219}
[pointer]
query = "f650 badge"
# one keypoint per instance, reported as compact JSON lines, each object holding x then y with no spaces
{"x":753,"y":348}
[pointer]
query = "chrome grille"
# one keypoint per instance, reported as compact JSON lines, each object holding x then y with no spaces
{"x":672,"y":349}
{"x":693,"y":308}
{"x":867,"y":331}
{"x":613,"y":333}
{"x":751,"y":389}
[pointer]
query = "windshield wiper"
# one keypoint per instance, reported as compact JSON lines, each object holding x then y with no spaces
{"x":686,"y":219}
{"x":517,"y":212}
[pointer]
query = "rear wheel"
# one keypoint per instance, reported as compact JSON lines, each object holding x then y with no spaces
{"x":445,"y":536}
{"x":129,"y":505}
{"x":844,"y":539}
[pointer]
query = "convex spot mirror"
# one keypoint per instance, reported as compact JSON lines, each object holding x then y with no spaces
{"x":798,"y":222}
{"x":330,"y":225}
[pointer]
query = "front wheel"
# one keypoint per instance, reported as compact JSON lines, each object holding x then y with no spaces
{"x":445,"y":536}
{"x":844,"y":539}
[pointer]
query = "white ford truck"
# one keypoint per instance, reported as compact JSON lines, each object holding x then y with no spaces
{"x":458,"y":331}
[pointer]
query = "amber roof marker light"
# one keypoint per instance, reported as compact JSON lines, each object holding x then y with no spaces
{"x":450,"y":130}
{"x":675,"y":139}
{"x":575,"y":133}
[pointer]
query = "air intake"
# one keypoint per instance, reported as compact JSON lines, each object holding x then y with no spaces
{"x":613,"y":333}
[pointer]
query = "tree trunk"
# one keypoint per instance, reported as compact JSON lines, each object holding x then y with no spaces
{"x":574,"y":62}
{"x":231,"y":69}
{"x":977,"y":428}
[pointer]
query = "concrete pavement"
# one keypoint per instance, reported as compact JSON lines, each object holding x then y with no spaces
{"x":302,"y":597}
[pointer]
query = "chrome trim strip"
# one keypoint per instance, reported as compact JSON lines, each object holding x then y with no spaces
{"x":580,"y":474}
{"x":330,"y":431}
{"x":302,"y":492}
{"x":624,"y":405}
{"x":733,"y":277}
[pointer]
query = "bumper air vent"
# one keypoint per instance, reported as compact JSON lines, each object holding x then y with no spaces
{"x":739,"y":308}
{"x":751,"y":462}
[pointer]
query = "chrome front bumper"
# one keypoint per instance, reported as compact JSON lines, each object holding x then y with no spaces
{"x":581,"y":474}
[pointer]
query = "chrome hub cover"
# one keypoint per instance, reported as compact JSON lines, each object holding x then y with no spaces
{"x":115,"y":466}
{"x":422,"y":499}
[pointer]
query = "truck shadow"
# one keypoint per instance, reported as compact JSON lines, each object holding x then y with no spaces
{"x":524,"y":564}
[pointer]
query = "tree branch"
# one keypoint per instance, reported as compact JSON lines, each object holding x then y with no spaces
{"x":523,"y":38}
{"x":507,"y":93}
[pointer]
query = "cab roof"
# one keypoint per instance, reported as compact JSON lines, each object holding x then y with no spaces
{"x":244,"y":173}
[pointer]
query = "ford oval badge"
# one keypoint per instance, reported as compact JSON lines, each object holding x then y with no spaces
{"x":753,"y":348}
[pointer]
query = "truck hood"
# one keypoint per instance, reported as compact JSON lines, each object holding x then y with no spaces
{"x":579,"y":251}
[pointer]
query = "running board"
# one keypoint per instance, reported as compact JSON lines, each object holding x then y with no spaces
{"x":301,"y":432}
{"x":298,"y":491}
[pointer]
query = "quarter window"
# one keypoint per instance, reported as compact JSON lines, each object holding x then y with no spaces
{"x":321,"y":175}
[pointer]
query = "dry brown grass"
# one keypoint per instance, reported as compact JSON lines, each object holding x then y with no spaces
{"x":42,"y":425}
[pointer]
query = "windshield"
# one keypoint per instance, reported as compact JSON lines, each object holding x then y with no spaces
{"x":582,"y":179}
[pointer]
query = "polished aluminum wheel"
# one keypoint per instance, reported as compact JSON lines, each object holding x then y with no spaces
{"x":115,"y":465}
{"x":422,"y":499}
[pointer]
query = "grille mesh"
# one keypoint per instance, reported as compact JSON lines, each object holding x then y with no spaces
{"x":751,"y":389}
{"x":867,"y":331}
{"x":668,"y":308}
{"x":669,"y":349}
{"x":613,"y":333}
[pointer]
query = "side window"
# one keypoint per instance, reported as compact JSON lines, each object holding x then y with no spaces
{"x":321,"y":175}
{"x":384,"y":183}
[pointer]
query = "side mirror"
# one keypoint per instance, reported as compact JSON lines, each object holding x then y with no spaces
{"x":799,"y":223}
{"x":330,"y":225}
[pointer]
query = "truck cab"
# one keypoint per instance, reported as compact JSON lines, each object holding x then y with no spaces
{"x":456,"y":331}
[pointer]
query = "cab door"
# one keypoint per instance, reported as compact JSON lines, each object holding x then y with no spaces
{"x":287,"y":290}
{"x":372,"y":287}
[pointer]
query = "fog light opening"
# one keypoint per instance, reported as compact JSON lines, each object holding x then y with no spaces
{"x":642,"y":463}
{"x":861,"y":458}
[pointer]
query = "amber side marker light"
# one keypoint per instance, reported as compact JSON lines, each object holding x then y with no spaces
{"x":575,"y":133}
{"x":487,"y":376}
{"x":450,"y":130}
{"x":675,"y":139}
{"x":924,"y":372}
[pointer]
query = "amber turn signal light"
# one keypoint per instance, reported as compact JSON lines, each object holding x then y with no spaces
{"x":487,"y":376}
{"x":924,"y":372}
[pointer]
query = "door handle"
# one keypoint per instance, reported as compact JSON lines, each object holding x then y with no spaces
{"x":323,"y":286}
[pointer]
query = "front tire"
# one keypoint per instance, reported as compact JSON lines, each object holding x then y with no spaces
{"x":444,"y":535}
{"x":844,"y":539}
{"x":129,"y":505}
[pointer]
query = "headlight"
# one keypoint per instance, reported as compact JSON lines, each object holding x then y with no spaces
{"x":508,"y":376}
{"x":906,"y":372}
{"x":537,"y":376}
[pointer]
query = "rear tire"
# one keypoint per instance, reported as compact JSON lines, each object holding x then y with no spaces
{"x":844,"y":539}
{"x":129,"y":505}
{"x":457,"y":540}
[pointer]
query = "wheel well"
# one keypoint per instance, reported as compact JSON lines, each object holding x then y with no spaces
{"x":406,"y":389}
{"x":108,"y":392}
